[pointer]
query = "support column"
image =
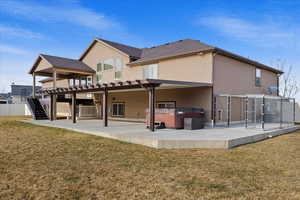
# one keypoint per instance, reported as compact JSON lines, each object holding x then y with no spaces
{"x":74,"y":107}
{"x":104,"y":107}
{"x":214,"y":111}
{"x":246,"y":112}
{"x":54,"y":96}
{"x":51,"y":107}
{"x":33,"y":85}
{"x":263,"y":114}
{"x":228,"y":110}
{"x":151,"y":92}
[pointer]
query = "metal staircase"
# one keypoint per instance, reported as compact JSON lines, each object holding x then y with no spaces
{"x":37,"y":110}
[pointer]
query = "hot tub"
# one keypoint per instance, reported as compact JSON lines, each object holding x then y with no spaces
{"x":174,"y":117}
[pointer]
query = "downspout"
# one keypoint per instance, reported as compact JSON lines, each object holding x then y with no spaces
{"x":213,"y":100}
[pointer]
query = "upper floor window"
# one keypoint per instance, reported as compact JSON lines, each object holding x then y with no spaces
{"x":115,"y":64}
{"x":89,"y":80}
{"x":150,"y":71}
{"x":99,"y":72}
{"x":118,"y":68}
{"x":99,"y":67}
{"x":108,"y":64}
{"x":257,"y":77}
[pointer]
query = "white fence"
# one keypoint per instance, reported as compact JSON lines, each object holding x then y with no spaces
{"x":297,"y":112}
{"x":14,"y":110}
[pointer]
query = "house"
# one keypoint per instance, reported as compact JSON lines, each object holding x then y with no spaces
{"x":19,"y":93}
{"x":5,"y":98}
{"x":122,"y":82}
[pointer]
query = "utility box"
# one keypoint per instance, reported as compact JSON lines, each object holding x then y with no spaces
{"x":194,"y":123}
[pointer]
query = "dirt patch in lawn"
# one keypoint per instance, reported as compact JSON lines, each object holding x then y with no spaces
{"x":50,"y":163}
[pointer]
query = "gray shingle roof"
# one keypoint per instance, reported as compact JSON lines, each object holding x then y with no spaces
{"x":180,"y":47}
{"x":67,"y":63}
{"x":152,"y":54}
{"x":129,"y":50}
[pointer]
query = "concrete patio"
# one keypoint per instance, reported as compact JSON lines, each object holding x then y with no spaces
{"x":216,"y":138}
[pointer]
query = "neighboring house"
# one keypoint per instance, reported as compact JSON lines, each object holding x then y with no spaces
{"x":5,"y":98}
{"x":189,"y":72}
{"x":19,"y":93}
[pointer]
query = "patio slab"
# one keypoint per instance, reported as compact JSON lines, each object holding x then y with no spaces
{"x":211,"y":138}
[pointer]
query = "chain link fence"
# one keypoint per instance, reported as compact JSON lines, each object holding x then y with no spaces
{"x":254,"y":111}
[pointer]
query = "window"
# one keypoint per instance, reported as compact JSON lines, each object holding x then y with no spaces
{"x":257,"y":77}
{"x":70,"y":82}
{"x":118,"y":109}
{"x":150,"y":71}
{"x":73,"y":82}
{"x":118,"y":69}
{"x":166,"y":104}
{"x":108,"y":64}
{"x":99,"y":67}
{"x":99,"y":72}
{"x":89,"y":80}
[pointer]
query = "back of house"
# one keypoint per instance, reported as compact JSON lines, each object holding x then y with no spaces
{"x":190,"y":74}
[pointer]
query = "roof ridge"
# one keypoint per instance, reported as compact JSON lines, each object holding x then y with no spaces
{"x":117,"y":43}
{"x":168,"y":43}
{"x":41,"y":54}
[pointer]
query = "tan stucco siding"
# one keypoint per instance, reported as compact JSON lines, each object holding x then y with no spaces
{"x":197,"y":68}
{"x":189,"y":68}
{"x":234,"y":77}
{"x":100,"y":52}
{"x":59,"y":83}
{"x":136,"y":102}
{"x":42,"y":64}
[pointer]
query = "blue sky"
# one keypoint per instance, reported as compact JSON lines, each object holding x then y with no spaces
{"x":260,"y":30}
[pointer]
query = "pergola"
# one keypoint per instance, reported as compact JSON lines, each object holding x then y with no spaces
{"x":149,"y":84}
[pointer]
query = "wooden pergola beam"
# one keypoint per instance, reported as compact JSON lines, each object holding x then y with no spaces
{"x":100,"y":87}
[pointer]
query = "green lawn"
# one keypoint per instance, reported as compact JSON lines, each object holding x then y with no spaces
{"x":49,"y":163}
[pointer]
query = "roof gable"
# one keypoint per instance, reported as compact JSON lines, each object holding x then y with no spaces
{"x":130,"y":51}
{"x":63,"y":63}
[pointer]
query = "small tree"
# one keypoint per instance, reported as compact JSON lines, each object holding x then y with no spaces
{"x":288,"y":86}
